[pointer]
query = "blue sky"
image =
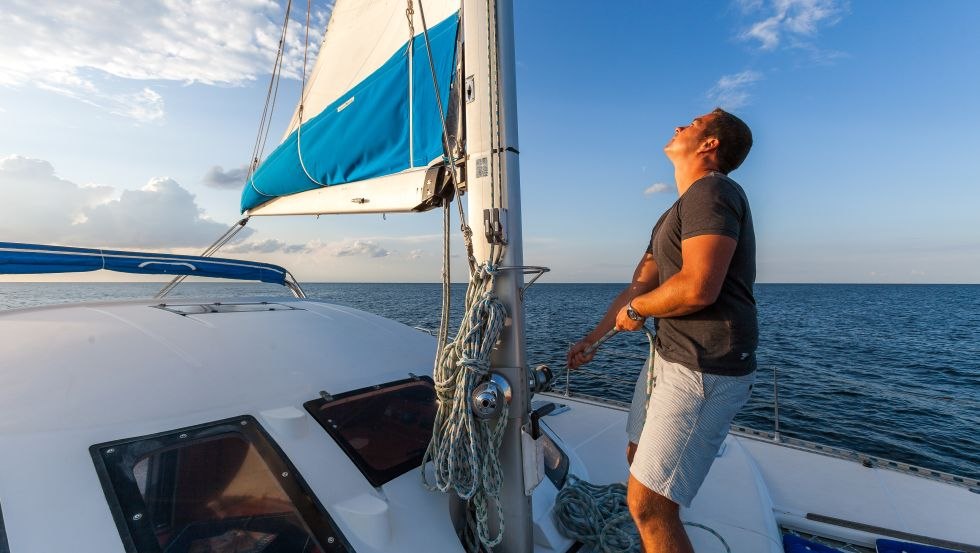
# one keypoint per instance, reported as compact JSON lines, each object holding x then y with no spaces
{"x":864,"y":113}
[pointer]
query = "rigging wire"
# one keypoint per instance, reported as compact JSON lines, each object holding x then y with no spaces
{"x":302,"y":99}
{"x":271,"y":95}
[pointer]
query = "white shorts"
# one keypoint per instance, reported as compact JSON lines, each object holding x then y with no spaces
{"x":682,"y":427}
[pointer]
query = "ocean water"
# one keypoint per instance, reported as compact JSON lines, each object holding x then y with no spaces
{"x":888,"y":370}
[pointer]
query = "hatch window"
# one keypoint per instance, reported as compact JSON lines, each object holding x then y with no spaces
{"x":384,"y":429}
{"x":220,"y":488}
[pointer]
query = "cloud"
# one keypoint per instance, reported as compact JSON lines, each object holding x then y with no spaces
{"x":732,"y":91}
{"x":360,"y":247}
{"x":416,"y":254}
{"x":271,"y":245}
{"x":93,"y":51}
{"x":232,"y":179}
{"x":793,"y":20}
{"x":658,"y":188}
{"x":40,"y":206}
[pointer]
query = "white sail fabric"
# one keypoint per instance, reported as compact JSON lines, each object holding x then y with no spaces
{"x":360,"y":37}
{"x":369,"y":110}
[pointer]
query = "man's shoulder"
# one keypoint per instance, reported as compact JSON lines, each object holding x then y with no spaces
{"x":714,"y":186}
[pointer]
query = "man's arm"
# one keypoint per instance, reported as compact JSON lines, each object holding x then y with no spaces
{"x":645,"y":278}
{"x":705,"y":261}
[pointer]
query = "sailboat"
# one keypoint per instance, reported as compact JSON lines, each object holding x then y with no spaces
{"x":289,"y":425}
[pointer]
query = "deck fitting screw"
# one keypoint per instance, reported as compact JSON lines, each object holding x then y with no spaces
{"x":137,"y":516}
{"x":110,"y":451}
{"x":244,"y":423}
{"x":183,"y":436}
{"x":285,"y":474}
{"x":331,"y":539}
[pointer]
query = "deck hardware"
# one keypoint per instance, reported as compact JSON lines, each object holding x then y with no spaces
{"x":535,"y":270}
{"x":138,"y":516}
{"x":182,"y":436}
{"x":285,"y":474}
{"x":535,"y":417}
{"x":325,"y":395}
{"x":413,"y":376}
{"x":541,"y":378}
{"x":867,"y":463}
{"x":110,"y":451}
{"x":494,"y":221}
{"x":244,"y":423}
{"x":331,"y":539}
{"x":488,"y":398}
{"x":470,"y":89}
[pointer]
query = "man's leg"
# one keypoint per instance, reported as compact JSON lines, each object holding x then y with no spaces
{"x":657,"y":519}
{"x":630,"y":452}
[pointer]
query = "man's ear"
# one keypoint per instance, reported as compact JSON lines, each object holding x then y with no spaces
{"x":708,"y":145}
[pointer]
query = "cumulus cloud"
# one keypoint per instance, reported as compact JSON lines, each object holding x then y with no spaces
{"x":657,"y":188}
{"x":416,"y":254}
{"x":734,"y":91}
{"x":40,"y":206}
{"x":95,"y":50}
{"x":232,"y":179}
{"x":793,"y":20}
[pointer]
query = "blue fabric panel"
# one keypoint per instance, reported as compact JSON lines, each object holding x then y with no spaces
{"x":891,"y":546}
{"x":796,"y":544}
{"x":40,"y":259}
{"x":427,"y":124}
{"x":365,"y":133}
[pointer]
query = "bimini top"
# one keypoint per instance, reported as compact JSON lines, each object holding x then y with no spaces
{"x":38,"y":258}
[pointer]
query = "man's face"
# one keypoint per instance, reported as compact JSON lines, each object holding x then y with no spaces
{"x":688,"y":138}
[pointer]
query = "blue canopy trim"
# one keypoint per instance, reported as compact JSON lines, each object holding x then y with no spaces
{"x":365,"y":133}
{"x":20,"y":259}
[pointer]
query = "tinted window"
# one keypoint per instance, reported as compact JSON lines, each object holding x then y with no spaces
{"x":217,"y":489}
{"x":384,"y":429}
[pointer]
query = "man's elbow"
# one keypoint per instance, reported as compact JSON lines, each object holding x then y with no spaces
{"x":702,"y":296}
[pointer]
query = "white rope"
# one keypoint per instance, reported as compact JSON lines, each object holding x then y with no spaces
{"x":464,"y":449}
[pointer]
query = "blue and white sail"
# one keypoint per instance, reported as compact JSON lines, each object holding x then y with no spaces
{"x":369,"y":124}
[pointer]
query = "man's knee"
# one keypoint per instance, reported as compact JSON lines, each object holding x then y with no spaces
{"x":649,"y":507}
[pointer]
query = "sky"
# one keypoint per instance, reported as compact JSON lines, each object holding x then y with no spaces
{"x":128,"y":125}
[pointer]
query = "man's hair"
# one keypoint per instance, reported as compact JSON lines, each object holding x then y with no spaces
{"x":734,"y":139}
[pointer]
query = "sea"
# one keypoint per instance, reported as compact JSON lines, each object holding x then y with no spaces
{"x":888,"y":370}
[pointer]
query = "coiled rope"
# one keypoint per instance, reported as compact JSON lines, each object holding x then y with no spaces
{"x":464,"y":449}
{"x":596,"y":516}
{"x":599,"y":517}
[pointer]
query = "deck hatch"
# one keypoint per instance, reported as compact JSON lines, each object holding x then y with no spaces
{"x":219,"y":307}
{"x":223,"y":485}
{"x":384,"y":429}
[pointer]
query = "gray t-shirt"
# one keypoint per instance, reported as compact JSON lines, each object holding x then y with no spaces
{"x":721,"y":338}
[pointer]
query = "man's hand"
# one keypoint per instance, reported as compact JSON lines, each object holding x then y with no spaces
{"x":625,"y":323}
{"x":577,"y":355}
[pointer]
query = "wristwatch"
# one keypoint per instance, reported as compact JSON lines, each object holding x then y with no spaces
{"x":631,"y":313}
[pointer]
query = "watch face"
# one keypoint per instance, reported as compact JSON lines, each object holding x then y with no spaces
{"x":631,"y":313}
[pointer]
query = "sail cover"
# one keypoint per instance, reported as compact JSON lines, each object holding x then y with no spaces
{"x":22,"y":259}
{"x":369,"y":108}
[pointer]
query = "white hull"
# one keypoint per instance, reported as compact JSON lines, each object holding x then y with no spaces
{"x":75,"y":376}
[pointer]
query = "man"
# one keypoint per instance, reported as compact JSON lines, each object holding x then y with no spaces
{"x":696,"y":281}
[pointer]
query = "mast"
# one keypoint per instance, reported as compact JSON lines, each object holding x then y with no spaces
{"x":493,"y":191}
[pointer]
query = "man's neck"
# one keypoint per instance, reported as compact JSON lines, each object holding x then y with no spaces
{"x":686,"y":175}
